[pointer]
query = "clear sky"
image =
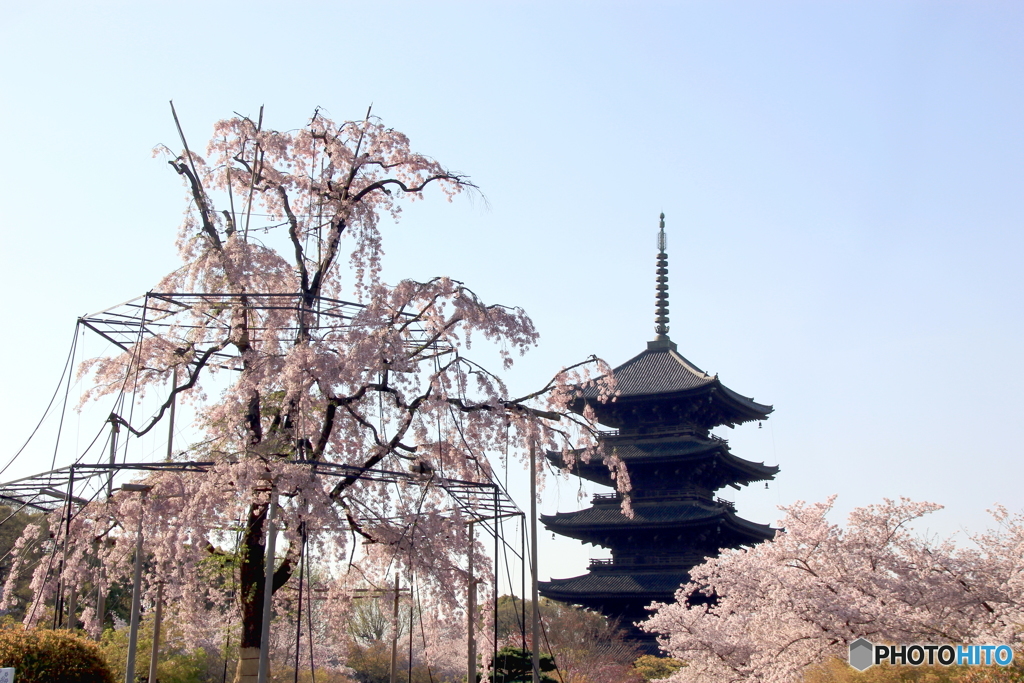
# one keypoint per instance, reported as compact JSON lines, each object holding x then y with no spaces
{"x":842,"y":183}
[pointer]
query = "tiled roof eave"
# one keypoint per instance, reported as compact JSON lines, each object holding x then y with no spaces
{"x":575,"y":524}
{"x":755,"y":471}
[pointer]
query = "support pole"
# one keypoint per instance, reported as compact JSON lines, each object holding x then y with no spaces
{"x":471,"y":614}
{"x":268,"y":589}
{"x":394,"y":634}
{"x":114,"y":429}
{"x":497,"y":575}
{"x":170,"y":429}
{"x":298,"y":611}
{"x":72,"y":607}
{"x":101,"y":597}
{"x":154,"y":654}
{"x":133,"y":632}
{"x":58,"y":611}
{"x":522,"y":578}
{"x":535,"y":649}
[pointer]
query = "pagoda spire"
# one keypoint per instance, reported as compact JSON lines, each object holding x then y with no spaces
{"x":661,"y":298}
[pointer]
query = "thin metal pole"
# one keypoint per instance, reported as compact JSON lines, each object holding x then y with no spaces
{"x":133,"y":633}
{"x":298,"y":614}
{"x":227,"y":650}
{"x":268,"y":589}
{"x":535,"y":648}
{"x":471,"y":614}
{"x":522,"y":578}
{"x":114,"y":429}
{"x":72,"y":606}
{"x":394,"y":634}
{"x":170,"y":429}
{"x":101,"y":595}
{"x":58,"y":612}
{"x":494,"y":594}
{"x":154,"y":654}
{"x":412,"y":605}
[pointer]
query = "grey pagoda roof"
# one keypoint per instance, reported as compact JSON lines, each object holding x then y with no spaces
{"x":662,"y":514}
{"x":645,"y":586}
{"x":661,"y":371}
{"x":676,"y":449}
{"x":658,"y":371}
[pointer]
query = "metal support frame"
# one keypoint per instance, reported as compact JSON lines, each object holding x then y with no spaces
{"x":394,"y":630}
{"x":154,"y":654}
{"x":133,"y":632}
{"x":471,"y":613}
{"x":535,"y":649}
{"x":156,"y":313}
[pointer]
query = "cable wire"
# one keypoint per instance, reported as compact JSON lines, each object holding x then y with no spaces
{"x":46,"y":412}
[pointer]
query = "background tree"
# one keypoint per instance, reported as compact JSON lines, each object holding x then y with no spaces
{"x":586,"y":646}
{"x":178,"y":663}
{"x":784,"y":606}
{"x":12,"y":526}
{"x":389,"y":385}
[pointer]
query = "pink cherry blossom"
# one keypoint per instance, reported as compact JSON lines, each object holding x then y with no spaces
{"x":785,"y":605}
{"x":277,"y":375}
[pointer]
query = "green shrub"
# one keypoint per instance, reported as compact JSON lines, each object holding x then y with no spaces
{"x":43,"y":656}
{"x":653,"y":668}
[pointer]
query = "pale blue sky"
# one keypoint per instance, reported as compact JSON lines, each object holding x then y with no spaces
{"x":842,"y":181}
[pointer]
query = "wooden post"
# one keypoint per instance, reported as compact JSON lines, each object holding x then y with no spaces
{"x":72,"y":607}
{"x":394,"y":634}
{"x":101,"y":598}
{"x":170,"y":429}
{"x":535,"y":649}
{"x":58,"y":611}
{"x":154,"y":654}
{"x":114,"y":429}
{"x":133,"y":632}
{"x":471,"y":614}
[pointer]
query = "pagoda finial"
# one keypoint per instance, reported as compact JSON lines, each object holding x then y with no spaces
{"x":661,"y":299}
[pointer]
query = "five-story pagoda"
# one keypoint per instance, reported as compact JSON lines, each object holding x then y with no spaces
{"x":661,"y":422}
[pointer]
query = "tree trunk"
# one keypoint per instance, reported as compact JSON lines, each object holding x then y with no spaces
{"x":251,"y":585}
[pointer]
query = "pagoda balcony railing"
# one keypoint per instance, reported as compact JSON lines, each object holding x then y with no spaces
{"x":644,"y":561}
{"x":699,"y":494}
{"x":661,"y":431}
{"x":688,"y":492}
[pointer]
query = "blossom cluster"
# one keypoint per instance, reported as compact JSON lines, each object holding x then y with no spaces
{"x":769,"y":612}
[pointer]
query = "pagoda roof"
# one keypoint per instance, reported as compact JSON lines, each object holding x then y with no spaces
{"x":663,"y":448}
{"x":661,"y":372}
{"x":637,"y":451}
{"x":646,"y":449}
{"x":664,"y":514}
{"x":648,"y":585}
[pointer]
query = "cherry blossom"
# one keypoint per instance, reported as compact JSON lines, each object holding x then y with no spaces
{"x":280,"y":379}
{"x":782,"y":606}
